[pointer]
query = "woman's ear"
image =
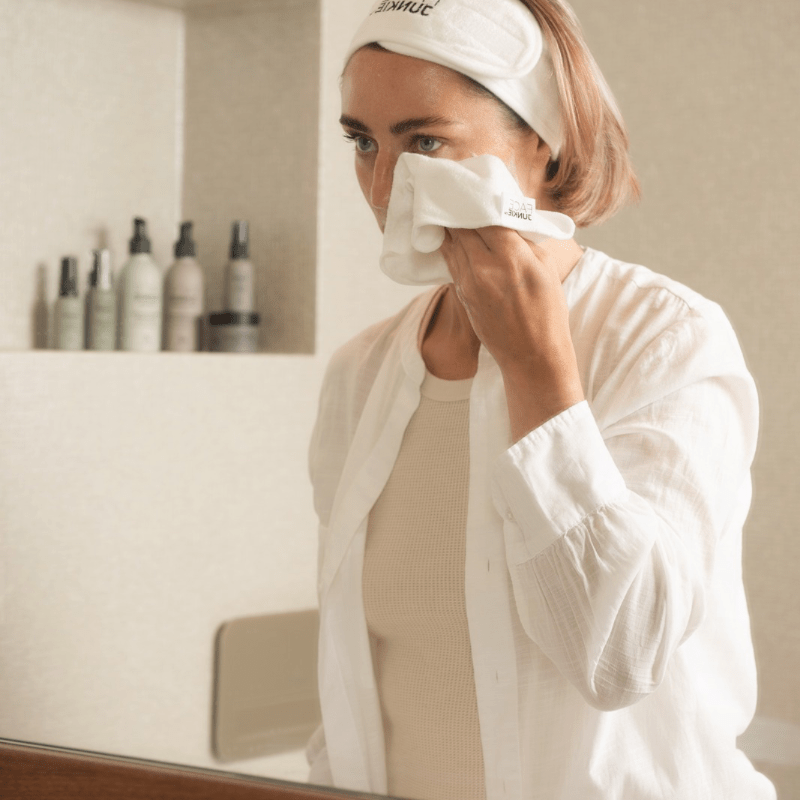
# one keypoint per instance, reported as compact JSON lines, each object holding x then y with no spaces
{"x":536,"y":153}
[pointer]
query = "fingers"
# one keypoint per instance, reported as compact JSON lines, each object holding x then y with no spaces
{"x":456,"y":251}
{"x":471,"y":253}
{"x":505,"y":244}
{"x":469,"y":239}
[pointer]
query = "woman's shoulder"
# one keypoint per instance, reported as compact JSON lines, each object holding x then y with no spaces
{"x":633,"y":326}
{"x":633,"y":304}
{"x":616,"y":284}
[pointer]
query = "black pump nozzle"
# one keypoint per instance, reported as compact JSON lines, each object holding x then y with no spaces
{"x":184,"y":247}
{"x":68,"y":285}
{"x":140,"y":243}
{"x":239,"y":245}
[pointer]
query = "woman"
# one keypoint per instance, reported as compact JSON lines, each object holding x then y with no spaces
{"x":531,"y":482}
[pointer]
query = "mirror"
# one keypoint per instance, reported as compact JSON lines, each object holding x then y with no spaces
{"x":148,"y":500}
{"x":57,"y":773}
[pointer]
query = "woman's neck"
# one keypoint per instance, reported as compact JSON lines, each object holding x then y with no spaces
{"x":450,"y":346}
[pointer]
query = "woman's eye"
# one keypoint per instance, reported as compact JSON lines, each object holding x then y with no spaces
{"x":427,"y":144}
{"x":363,"y":145}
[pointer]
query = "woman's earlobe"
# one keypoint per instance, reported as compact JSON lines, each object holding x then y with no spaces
{"x":543,"y":152}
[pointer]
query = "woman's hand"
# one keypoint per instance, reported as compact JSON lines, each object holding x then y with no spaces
{"x":511,"y":291}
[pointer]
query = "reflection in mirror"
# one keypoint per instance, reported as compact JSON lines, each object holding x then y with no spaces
{"x":146,"y":502}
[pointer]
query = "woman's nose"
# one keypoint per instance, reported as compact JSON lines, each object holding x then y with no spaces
{"x":382,"y":180}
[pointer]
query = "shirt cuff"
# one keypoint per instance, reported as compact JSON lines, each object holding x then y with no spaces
{"x":552,"y":479}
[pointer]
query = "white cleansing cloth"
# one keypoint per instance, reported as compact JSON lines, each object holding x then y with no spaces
{"x":431,"y":194}
{"x":499,"y":44}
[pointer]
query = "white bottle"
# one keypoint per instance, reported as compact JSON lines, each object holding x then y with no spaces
{"x":101,"y":310}
{"x":69,"y":309}
{"x":183,"y":297}
{"x":140,"y":288}
{"x":239,"y":280}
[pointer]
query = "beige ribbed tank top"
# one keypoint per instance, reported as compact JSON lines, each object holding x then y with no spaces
{"x":413,"y":585}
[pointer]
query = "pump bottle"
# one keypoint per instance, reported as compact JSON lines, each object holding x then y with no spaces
{"x":69,"y":309}
{"x":239,"y":281}
{"x":140,"y":287}
{"x":101,"y":312}
{"x":183,"y":297}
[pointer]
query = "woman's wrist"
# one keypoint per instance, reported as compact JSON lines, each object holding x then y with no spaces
{"x":539,"y":393}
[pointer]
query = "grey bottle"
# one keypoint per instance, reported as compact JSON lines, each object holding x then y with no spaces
{"x":101,"y":305}
{"x":69,"y":309}
{"x":183,"y":297}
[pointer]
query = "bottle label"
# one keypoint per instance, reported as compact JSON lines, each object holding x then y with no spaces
{"x":239,"y":287}
{"x":183,"y":333}
{"x":184,"y":304}
{"x":69,"y":327}
{"x":101,"y":318}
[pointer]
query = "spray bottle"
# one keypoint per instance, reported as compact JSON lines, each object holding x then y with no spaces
{"x":69,"y":309}
{"x":140,"y":287}
{"x":183,"y":297}
{"x":101,"y":311}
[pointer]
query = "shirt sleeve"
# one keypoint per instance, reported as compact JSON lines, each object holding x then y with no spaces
{"x":611,"y":527}
{"x":317,"y":757}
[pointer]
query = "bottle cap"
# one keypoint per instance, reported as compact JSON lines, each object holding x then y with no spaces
{"x":239,"y":244}
{"x":100,"y":276}
{"x":140,"y":243}
{"x":184,"y":247}
{"x":68,"y":285}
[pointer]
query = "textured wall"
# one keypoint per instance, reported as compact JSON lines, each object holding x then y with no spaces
{"x":251,"y":121}
{"x":146,"y":499}
{"x":709,"y":90}
{"x":90,"y":136}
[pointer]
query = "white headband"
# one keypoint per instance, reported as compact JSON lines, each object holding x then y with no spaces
{"x":497,"y":43}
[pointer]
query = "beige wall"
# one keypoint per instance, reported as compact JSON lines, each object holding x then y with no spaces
{"x":177,"y":484}
{"x":709,"y":91}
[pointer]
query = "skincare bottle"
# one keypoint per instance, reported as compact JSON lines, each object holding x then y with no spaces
{"x":101,"y":311}
{"x":69,"y":309}
{"x":183,"y":296}
{"x":140,"y":287}
{"x":239,"y":283}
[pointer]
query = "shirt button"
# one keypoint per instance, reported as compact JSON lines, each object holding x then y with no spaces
{"x":509,"y":516}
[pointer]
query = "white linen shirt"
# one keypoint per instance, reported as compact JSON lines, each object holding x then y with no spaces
{"x":607,"y":617}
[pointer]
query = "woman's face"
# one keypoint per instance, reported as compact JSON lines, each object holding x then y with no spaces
{"x":393,"y":104}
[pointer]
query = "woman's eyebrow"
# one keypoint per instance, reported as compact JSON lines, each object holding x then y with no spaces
{"x":417,"y":122}
{"x":399,"y":128}
{"x":352,"y":122}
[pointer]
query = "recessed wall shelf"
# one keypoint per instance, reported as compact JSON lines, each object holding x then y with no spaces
{"x":170,"y":110}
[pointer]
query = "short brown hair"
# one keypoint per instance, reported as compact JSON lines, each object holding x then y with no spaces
{"x":593,"y":177}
